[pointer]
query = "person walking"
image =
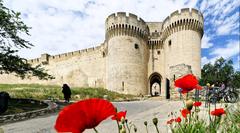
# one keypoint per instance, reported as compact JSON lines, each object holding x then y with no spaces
{"x":66,"y":92}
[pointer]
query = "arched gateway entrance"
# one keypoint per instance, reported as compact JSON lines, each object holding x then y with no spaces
{"x":155,"y":84}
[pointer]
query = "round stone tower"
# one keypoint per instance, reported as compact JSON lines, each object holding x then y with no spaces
{"x":182,"y":33}
{"x":127,"y":53}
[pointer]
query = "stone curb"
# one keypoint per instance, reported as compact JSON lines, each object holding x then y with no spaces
{"x":52,"y":107}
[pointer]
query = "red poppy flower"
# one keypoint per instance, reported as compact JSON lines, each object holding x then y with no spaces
{"x":83,"y":115}
{"x":170,"y":121}
{"x":185,"y":112}
{"x":178,"y":120}
{"x":119,"y":115}
{"x":198,"y":87}
{"x":218,"y":112}
{"x":197,"y":104}
{"x":186,"y":83}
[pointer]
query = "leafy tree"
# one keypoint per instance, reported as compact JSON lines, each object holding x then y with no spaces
{"x":221,"y":71}
{"x":236,"y":80}
{"x":207,"y":74}
{"x":11,"y":27}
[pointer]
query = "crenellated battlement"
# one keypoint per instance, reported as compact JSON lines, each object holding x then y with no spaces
{"x":185,"y":19}
{"x":155,"y":44}
{"x":46,"y":58}
{"x":121,"y":23}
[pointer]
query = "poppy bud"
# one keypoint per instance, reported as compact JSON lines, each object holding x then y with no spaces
{"x":135,"y":129}
{"x":126,"y":120}
{"x":225,"y":105}
{"x":123,"y":130}
{"x":155,"y":121}
{"x":145,"y":123}
{"x":120,"y":127}
{"x":189,"y":104}
{"x":122,"y":120}
{"x":208,"y":85}
{"x":197,"y":110}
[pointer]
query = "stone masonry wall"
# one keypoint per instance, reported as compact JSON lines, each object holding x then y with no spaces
{"x":127,"y":53}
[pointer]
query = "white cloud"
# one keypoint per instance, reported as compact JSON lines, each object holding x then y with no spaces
{"x":231,"y":6}
{"x":206,"y":42}
{"x":204,"y":60}
{"x":229,"y":25}
{"x":218,"y":14}
{"x":236,"y":65}
{"x":230,"y":50}
{"x":203,"y":5}
{"x":60,"y":26}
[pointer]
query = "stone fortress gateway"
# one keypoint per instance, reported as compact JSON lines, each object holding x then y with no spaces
{"x":135,"y":56}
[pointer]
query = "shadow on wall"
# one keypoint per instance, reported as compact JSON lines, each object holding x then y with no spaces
{"x":76,"y":78}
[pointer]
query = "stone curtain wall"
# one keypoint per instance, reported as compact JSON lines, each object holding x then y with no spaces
{"x":85,"y":69}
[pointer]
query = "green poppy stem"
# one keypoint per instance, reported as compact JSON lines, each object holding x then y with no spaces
{"x":210,"y":120}
{"x":157,"y":128}
{"x":96,"y":131}
{"x":127,"y":127}
{"x":118,"y":126}
{"x":184,"y":103}
{"x":209,"y":108}
{"x":179,"y":124}
{"x":190,"y":118}
{"x":146,"y":128}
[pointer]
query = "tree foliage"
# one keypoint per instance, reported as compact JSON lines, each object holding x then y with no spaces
{"x":11,"y":27}
{"x":236,"y":80}
{"x":221,"y":71}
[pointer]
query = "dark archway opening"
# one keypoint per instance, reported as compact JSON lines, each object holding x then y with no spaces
{"x":155,"y":84}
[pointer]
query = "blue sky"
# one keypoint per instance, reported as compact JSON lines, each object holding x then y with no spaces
{"x":60,"y":26}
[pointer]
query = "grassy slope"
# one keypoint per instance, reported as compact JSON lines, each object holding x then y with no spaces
{"x":37,"y":91}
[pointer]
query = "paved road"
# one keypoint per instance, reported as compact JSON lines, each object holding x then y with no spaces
{"x":137,"y":112}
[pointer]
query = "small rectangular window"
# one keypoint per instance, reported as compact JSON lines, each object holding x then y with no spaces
{"x":122,"y":85}
{"x":169,"y":43}
{"x":136,"y":46}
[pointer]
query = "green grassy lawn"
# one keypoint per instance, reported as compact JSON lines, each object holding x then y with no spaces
{"x":43,"y":92}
